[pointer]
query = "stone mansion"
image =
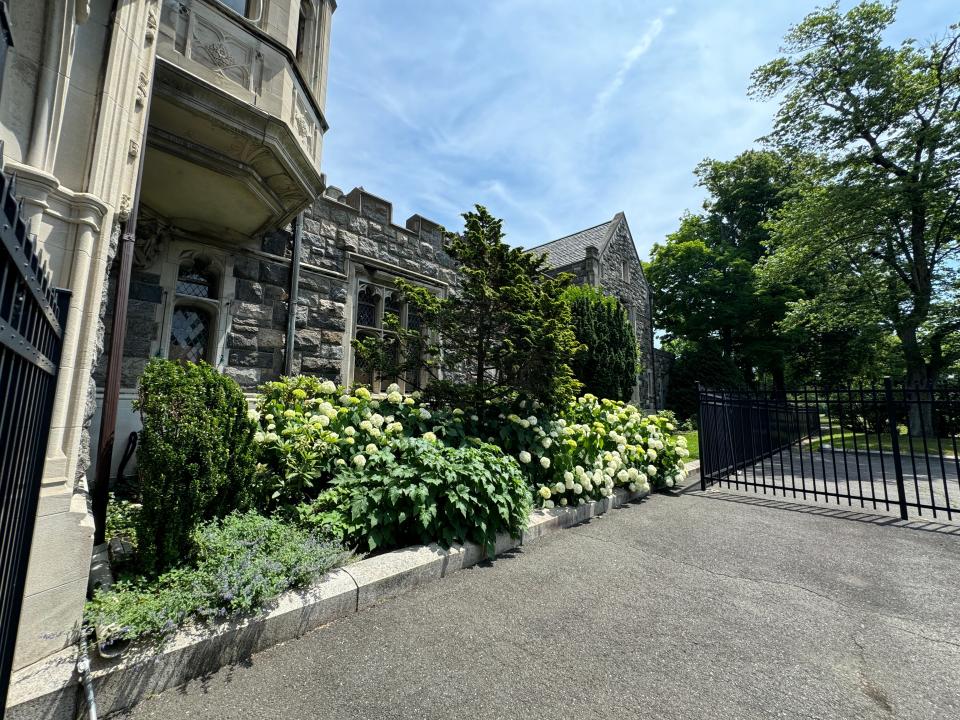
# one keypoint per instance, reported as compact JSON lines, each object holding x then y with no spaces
{"x":190,"y":133}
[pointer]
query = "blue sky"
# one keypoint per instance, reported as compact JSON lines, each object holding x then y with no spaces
{"x":555,"y":114}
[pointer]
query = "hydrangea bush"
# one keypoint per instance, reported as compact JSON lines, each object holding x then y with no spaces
{"x":310,"y":430}
{"x":595,"y":446}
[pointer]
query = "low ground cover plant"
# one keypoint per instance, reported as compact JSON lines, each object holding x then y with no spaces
{"x":416,"y":490}
{"x":242,"y":562}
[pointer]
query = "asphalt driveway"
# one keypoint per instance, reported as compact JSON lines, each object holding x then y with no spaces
{"x":700,"y":606}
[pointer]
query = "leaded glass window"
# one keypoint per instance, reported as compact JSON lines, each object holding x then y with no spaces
{"x":368,"y":307}
{"x":196,"y":282}
{"x":189,"y":334}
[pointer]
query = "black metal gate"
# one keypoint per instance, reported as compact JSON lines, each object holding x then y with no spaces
{"x":32,"y":317}
{"x":883,"y":448}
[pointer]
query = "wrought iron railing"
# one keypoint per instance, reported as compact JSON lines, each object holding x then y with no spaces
{"x":887,"y":448}
{"x":32,"y":318}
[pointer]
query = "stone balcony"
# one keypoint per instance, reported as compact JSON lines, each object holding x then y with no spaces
{"x":235,"y":132}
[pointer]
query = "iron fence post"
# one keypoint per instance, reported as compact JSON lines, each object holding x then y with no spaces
{"x":895,"y":446}
{"x":703,"y":459}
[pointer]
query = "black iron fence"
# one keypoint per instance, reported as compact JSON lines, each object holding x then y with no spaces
{"x":883,"y":448}
{"x":32,"y":317}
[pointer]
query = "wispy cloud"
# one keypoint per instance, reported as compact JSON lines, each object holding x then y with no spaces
{"x":629,"y":60}
{"x":555,"y":114}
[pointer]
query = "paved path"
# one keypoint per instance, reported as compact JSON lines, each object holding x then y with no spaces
{"x":698,"y":606}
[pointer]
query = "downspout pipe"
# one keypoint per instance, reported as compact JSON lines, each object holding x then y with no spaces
{"x":111,"y":390}
{"x":294,"y":294}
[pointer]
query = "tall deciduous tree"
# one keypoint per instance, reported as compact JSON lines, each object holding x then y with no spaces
{"x":879,"y":192}
{"x":504,"y":335}
{"x":704,"y":279}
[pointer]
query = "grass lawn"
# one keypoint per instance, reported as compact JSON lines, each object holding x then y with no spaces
{"x":692,"y":446}
{"x":840,"y":439}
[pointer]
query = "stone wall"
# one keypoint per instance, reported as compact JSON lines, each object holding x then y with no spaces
{"x":634,"y":293}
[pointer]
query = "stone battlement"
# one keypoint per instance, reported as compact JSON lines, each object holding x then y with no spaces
{"x":375,"y":208}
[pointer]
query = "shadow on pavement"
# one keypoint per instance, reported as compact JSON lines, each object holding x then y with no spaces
{"x":838,"y":513}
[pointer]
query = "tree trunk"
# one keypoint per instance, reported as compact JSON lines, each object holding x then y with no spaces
{"x":920,"y":376}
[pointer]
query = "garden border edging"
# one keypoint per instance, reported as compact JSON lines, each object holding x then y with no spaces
{"x":49,"y":689}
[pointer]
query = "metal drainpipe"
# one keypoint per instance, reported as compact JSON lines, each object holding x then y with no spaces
{"x":294,"y":294}
{"x":111,"y":390}
{"x":83,"y":669}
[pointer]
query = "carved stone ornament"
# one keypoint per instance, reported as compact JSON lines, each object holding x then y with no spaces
{"x":123,"y":211}
{"x":151,"y":33}
{"x":219,"y":55}
{"x":134,"y":149}
{"x":152,"y":238}
{"x":142,"y":84}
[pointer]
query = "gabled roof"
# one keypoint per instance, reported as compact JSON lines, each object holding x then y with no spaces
{"x":573,"y":248}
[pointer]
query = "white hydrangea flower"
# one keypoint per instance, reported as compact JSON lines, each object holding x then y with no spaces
{"x":544,"y":492}
{"x":651,"y":454}
{"x":328,"y":387}
{"x":395,"y":397}
{"x":545,"y":462}
{"x":253,"y":416}
{"x":429,"y":437}
{"x":651,"y":470}
{"x":669,"y":482}
{"x":424,"y":414}
{"x":524,"y":457}
{"x":324,"y":421}
{"x":532,"y":420}
{"x":548,"y":504}
{"x":289,"y":413}
{"x":370,"y":448}
{"x":623,"y":476}
{"x":577,"y":488}
{"x":670,"y":427}
{"x":546,"y":442}
{"x":563,"y":502}
{"x":349,"y":431}
{"x":359,"y":460}
{"x":681,"y":441}
{"x":632,"y":486}
{"x":558,"y":488}
{"x":366,"y":425}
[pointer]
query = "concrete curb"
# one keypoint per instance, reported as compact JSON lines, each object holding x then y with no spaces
{"x":49,"y":689}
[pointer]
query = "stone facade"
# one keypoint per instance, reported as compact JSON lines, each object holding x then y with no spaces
{"x":233,"y":152}
{"x":605,"y":256}
{"x":351,"y":252}
{"x":347,"y":240}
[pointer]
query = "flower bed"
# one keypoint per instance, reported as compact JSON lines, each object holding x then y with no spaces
{"x":344,"y":468}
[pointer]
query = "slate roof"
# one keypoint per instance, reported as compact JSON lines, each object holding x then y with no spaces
{"x":573,"y":248}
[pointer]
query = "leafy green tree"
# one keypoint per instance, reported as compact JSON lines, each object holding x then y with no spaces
{"x":697,"y":362}
{"x":878,"y":191}
{"x":704,"y":277}
{"x":607,"y":364}
{"x":504,"y":335}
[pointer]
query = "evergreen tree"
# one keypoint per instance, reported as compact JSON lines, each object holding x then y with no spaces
{"x":607,"y":364}
{"x":505,"y":335}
